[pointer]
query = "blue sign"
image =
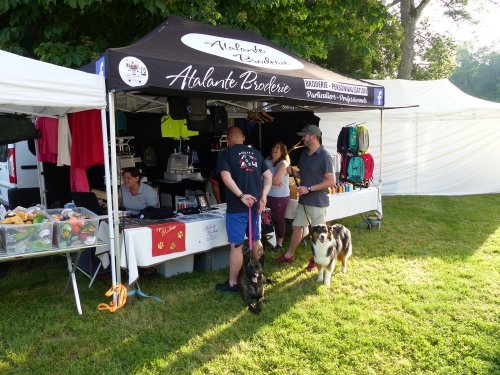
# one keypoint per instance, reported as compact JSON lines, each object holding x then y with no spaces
{"x":378,"y":96}
{"x":100,"y":67}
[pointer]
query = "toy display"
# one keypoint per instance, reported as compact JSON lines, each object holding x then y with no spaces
{"x":25,"y":230}
{"x":74,"y":226}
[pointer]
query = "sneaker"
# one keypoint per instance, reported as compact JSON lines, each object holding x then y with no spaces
{"x":311,"y":266}
{"x":277,"y":249}
{"x":283,"y":259}
{"x":226,"y":287}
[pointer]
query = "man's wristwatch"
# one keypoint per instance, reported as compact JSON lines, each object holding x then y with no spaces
{"x":240,"y":196}
{"x":309,"y":189}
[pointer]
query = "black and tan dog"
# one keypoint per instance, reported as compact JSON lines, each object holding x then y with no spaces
{"x":252,"y":281}
{"x":329,"y":244}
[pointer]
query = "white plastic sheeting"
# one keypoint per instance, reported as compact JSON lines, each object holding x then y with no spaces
{"x":34,"y":87}
{"x":449,"y":145}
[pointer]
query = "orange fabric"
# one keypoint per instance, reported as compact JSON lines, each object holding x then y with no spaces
{"x":168,"y":238}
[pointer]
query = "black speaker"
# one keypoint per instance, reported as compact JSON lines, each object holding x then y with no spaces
{"x":177,"y":106}
{"x":218,"y":118}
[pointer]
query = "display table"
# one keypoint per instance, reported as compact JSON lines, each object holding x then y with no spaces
{"x":200,"y":233}
{"x":72,"y":264}
{"x":344,"y":204}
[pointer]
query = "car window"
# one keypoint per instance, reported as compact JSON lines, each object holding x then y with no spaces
{"x":31,"y":146}
{"x":3,"y":153}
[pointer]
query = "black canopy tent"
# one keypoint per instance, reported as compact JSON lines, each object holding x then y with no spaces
{"x":183,"y":58}
{"x":187,"y":58}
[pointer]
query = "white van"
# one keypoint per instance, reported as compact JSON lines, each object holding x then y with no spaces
{"x":19,"y":184}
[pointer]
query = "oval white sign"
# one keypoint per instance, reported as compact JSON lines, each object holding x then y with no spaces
{"x":241,"y":51}
{"x":133,"y":71}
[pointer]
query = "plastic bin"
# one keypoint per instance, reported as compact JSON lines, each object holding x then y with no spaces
{"x":26,"y":238}
{"x":176,"y":266}
{"x":82,"y":230}
{"x":212,"y":260}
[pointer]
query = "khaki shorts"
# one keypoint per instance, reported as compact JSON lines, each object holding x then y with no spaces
{"x":317,"y":215}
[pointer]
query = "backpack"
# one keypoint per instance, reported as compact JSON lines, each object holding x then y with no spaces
{"x":369,"y":166}
{"x":363,"y":138}
{"x":197,"y":109}
{"x":343,"y":140}
{"x":343,"y":165}
{"x":353,"y":139}
{"x":356,"y":169}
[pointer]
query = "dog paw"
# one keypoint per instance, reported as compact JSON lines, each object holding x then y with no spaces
{"x":344,"y":270}
{"x":270,"y":281}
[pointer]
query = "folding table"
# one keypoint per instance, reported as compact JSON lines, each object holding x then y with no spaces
{"x":72,"y":264}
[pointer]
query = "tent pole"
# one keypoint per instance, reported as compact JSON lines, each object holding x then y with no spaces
{"x":41,"y":177}
{"x":379,"y":210}
{"x":109,"y":199}
{"x":114,"y":182}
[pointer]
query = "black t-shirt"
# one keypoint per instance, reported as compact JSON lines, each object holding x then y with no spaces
{"x":246,"y":166}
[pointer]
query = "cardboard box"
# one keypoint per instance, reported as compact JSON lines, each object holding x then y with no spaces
{"x":212,"y":260}
{"x":176,"y":266}
{"x":26,"y":238}
{"x":80,"y":231}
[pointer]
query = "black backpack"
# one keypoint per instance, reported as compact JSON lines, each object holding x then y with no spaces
{"x":343,"y":140}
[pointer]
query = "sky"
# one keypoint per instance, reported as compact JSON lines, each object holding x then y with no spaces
{"x":486,"y":33}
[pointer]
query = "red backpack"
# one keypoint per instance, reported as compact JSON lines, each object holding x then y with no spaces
{"x":369,"y":166}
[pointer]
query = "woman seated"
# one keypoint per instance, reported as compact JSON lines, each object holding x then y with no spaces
{"x":134,"y":194}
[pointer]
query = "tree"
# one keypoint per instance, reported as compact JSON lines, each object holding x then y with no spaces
{"x":347,"y":35}
{"x":435,"y":56}
{"x":409,"y":14}
{"x":478,"y":73}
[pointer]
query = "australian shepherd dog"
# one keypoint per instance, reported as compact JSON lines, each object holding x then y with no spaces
{"x":328,"y":244}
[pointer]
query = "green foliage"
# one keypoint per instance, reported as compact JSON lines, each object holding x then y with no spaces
{"x":436,"y":57}
{"x":359,"y":38}
{"x":420,"y":296}
{"x":478,"y":73}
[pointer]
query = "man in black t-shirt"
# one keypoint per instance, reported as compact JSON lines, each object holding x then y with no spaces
{"x":247,"y":180}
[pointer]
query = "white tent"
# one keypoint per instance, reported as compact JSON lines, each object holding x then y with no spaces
{"x":33,"y":87}
{"x":38,"y":88}
{"x":448,"y":145}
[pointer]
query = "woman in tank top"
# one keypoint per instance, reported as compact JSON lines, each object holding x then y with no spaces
{"x":279,"y":196}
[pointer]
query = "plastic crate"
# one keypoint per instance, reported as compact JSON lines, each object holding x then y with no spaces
{"x":81,"y":231}
{"x":212,"y":260}
{"x":26,"y":238}
{"x":176,"y":266}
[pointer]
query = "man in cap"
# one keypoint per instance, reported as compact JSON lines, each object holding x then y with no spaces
{"x":316,"y":176}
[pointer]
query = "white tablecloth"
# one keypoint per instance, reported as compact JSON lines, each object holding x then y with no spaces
{"x":345,"y":204}
{"x":203,"y":232}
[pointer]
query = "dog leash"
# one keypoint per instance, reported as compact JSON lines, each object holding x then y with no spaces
{"x":250,"y":236}
{"x":121,"y":298}
{"x":303,"y":205}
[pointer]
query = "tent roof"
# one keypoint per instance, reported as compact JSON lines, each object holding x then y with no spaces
{"x":38,"y":88}
{"x":437,"y":97}
{"x":187,"y":58}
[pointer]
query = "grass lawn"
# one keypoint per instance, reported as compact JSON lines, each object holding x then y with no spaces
{"x":421,"y":296}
